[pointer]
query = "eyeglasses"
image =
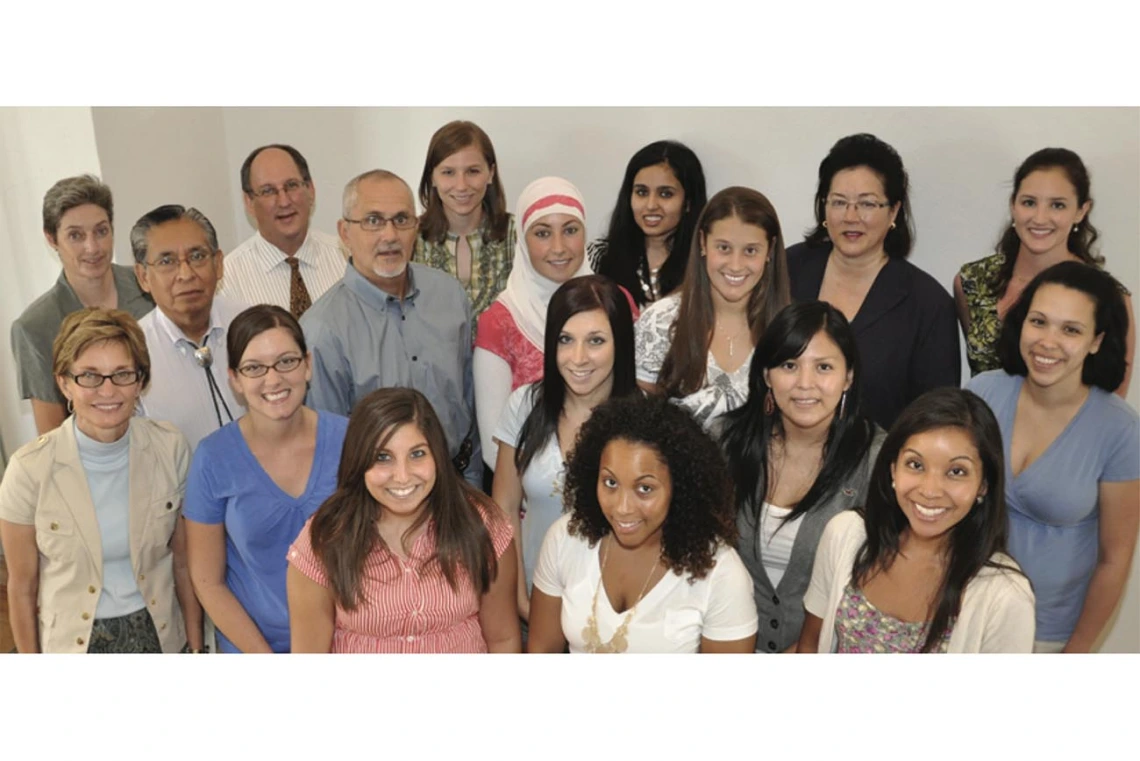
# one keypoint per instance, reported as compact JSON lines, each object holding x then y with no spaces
{"x":865,"y":207}
{"x":290,"y":188}
{"x":282,"y":366}
{"x":168,"y":264}
{"x":89,"y":379}
{"x":373,"y":222}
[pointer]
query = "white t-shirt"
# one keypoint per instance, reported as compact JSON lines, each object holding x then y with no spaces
{"x":673,"y":615}
{"x":541,"y":482}
{"x":777,"y":539}
{"x":722,"y":391}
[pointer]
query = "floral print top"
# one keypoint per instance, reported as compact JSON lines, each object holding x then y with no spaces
{"x":490,"y":263}
{"x":860,"y":627}
{"x":981,"y":303}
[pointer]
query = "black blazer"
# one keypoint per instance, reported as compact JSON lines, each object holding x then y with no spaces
{"x":906,"y":331}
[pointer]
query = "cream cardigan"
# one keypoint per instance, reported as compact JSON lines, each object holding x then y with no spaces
{"x":997,"y":614}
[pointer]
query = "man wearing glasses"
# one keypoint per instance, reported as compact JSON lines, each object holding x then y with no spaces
{"x":284,"y":263}
{"x":390,"y":322}
{"x":178,"y":262}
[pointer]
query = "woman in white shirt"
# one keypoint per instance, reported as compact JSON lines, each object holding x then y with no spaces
{"x":923,"y":567}
{"x":800,"y":452}
{"x":694,"y":345}
{"x":644,"y":561}
{"x":588,"y":358}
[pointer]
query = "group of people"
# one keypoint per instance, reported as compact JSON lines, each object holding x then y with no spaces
{"x":467,"y":430}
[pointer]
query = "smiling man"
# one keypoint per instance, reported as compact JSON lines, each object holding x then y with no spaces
{"x":389,"y":322}
{"x":178,"y":262}
{"x":285,"y":262}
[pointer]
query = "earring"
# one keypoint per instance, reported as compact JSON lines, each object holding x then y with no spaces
{"x":892,"y":225}
{"x":769,"y":403}
{"x":70,"y":407}
{"x":979,"y":499}
{"x":892,"y":483}
{"x":1076,"y":228}
{"x":825,"y":224}
{"x":842,"y":404}
{"x":1013,"y":224}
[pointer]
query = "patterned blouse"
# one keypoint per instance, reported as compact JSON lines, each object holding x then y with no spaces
{"x":408,"y":605}
{"x":490,"y":263}
{"x":597,"y":250}
{"x":981,"y":303}
{"x":860,"y":627}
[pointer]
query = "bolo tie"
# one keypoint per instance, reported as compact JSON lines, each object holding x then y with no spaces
{"x":205,"y":358}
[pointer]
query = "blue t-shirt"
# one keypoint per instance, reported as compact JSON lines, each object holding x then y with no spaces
{"x":1054,"y":504}
{"x":227,"y":485}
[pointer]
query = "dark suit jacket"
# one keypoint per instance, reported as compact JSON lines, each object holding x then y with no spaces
{"x":906,"y":331}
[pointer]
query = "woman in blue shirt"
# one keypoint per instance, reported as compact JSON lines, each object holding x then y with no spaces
{"x":255,"y":482}
{"x":1072,"y":449}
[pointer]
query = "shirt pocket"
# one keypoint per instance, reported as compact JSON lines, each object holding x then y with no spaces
{"x":55,"y":534}
{"x":683,"y":625}
{"x":161,"y":518}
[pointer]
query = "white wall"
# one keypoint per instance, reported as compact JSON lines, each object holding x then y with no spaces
{"x":960,"y":162}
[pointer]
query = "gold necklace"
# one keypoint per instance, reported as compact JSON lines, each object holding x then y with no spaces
{"x":731,"y":340}
{"x":618,"y":642}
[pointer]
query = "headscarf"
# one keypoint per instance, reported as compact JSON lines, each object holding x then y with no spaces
{"x":528,"y":293}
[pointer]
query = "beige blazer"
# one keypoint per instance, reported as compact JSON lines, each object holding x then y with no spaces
{"x":46,"y":485}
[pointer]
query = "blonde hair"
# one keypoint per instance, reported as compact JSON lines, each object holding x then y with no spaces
{"x":80,"y":330}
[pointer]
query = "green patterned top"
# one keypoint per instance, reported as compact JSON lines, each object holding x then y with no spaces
{"x":981,"y":302}
{"x":490,"y":264}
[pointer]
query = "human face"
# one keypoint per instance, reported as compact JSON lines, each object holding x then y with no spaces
{"x":937,"y":480}
{"x":658,"y":200}
{"x":276,"y":395}
{"x":556,"y":244}
{"x":807,"y":388}
{"x":84,"y":242}
{"x":851,"y":233}
{"x":185,"y":294}
{"x":282,"y":219}
{"x":586,"y":354}
{"x":381,"y":256}
{"x":1058,"y":335}
{"x":403,"y":475}
{"x":634,"y":491}
{"x":461,"y":180}
{"x":103,"y":413}
{"x":1045,"y":210}
{"x":736,"y":254}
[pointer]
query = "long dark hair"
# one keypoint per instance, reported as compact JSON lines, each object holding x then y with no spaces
{"x":869,"y":151}
{"x":343,"y":530}
{"x":748,"y":431}
{"x":448,"y":139}
{"x":685,"y":368}
{"x":1080,"y":240}
{"x":625,"y":257}
{"x":579,"y":294}
{"x":976,"y":538}
{"x":1107,"y":367}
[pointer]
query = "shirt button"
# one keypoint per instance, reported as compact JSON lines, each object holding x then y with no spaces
{"x":162,"y":628}
{"x":79,"y":640}
{"x":85,"y":616}
{"x":91,"y":590}
{"x":54,"y":526}
{"x":775,"y":600}
{"x":169,"y":505}
{"x":414,"y":358}
{"x":142,"y":577}
{"x":771,"y":646}
{"x":155,"y":602}
{"x":774,"y":623}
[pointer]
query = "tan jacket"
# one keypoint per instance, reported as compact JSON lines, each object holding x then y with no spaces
{"x":46,"y":485}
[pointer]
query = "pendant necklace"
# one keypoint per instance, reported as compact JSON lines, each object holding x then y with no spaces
{"x":618,"y":642}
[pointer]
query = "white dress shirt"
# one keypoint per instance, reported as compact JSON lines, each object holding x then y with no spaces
{"x":256,"y":271}
{"x":179,"y":391}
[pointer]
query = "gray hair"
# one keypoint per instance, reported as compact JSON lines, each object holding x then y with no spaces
{"x":162,"y":215}
{"x":352,"y":188}
{"x":70,"y":192}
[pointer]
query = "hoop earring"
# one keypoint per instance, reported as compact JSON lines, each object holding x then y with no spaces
{"x":70,"y":407}
{"x":842,"y":404}
{"x":769,"y":403}
{"x":825,"y":224}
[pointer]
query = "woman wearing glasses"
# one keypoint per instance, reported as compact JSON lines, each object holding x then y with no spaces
{"x":465,"y":230}
{"x":255,"y":482}
{"x":77,"y":222}
{"x":89,"y":513}
{"x":855,"y":259}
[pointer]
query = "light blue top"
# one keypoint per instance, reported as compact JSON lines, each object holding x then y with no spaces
{"x":541,"y":482}
{"x":228,"y":485}
{"x":1054,"y":509}
{"x":109,"y":480}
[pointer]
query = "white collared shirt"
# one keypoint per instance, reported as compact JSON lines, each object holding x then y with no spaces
{"x":256,"y":271}
{"x":179,"y":391}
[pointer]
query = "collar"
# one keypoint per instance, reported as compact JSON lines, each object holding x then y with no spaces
{"x":273,"y":257}
{"x":369,"y":293}
{"x":169,"y":331}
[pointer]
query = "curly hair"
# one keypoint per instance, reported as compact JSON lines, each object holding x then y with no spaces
{"x":701,"y":512}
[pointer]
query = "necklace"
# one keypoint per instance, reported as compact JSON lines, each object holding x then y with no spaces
{"x":618,"y":642}
{"x":731,"y":341}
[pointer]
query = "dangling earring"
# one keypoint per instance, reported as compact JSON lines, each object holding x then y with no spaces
{"x":1076,"y":227}
{"x":769,"y":403}
{"x":70,"y":407}
{"x":842,"y":404}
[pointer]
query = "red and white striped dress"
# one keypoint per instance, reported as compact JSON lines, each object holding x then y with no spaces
{"x":408,"y":606}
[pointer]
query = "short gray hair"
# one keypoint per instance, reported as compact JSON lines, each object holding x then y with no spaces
{"x":70,"y":192}
{"x":352,"y":188}
{"x":162,"y":215}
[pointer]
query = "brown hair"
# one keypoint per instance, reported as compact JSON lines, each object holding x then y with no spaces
{"x":685,"y":367}
{"x":81,"y":329}
{"x":343,"y":531}
{"x":254,"y":321}
{"x":448,"y":139}
{"x":71,"y":192}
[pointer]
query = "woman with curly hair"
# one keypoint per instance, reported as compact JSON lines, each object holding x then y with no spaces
{"x":404,"y":557}
{"x":644,"y":561}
